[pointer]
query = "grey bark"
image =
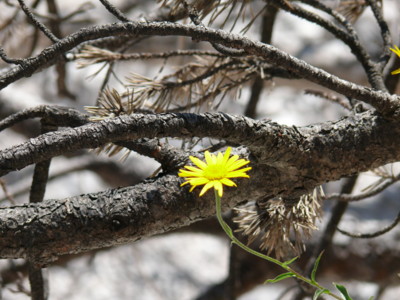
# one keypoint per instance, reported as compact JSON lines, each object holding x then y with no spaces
{"x":290,"y":160}
{"x":339,"y":148}
{"x":385,"y":103}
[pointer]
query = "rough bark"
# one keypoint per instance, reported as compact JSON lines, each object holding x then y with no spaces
{"x":47,"y":230}
{"x":385,"y":103}
{"x":284,"y":157}
{"x":340,"y":148}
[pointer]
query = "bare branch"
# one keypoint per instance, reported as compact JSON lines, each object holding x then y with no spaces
{"x":349,"y":38}
{"x":267,"y":25}
{"x":194,"y":16}
{"x":9,"y":60}
{"x":115,"y":11}
{"x":38,"y":282}
{"x":354,"y":140}
{"x":37,"y":23}
{"x":331,"y":97}
{"x":367,"y":194}
{"x":372,"y":234}
{"x":92,"y":55}
{"x":386,"y":104}
{"x":57,"y":115}
{"x":7,"y":195}
{"x":376,"y":6}
{"x":37,"y":276}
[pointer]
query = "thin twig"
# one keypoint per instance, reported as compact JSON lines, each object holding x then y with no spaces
{"x":96,"y":55}
{"x":14,"y":61}
{"x":331,"y":97}
{"x":388,"y":105}
{"x":38,"y":282}
{"x":371,"y":69}
{"x":115,"y":11}
{"x":385,"y":32}
{"x":37,"y":23}
{"x":373,"y":234}
{"x":7,"y":195}
{"x":214,"y":93}
{"x":110,"y":70}
{"x":338,"y":17}
{"x":267,"y":25}
{"x":55,"y":26}
{"x":361,"y":196}
{"x":194,"y":16}
{"x":208,"y":73}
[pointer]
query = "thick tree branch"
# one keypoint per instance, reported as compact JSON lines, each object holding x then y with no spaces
{"x":386,"y":104}
{"x":285,"y":157}
{"x":354,"y":144}
{"x":52,"y":228}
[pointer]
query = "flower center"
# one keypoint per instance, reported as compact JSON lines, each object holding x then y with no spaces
{"x":214,"y":172}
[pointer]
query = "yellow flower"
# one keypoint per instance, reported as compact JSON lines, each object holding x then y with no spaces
{"x":397,"y":51}
{"x":215,"y":171}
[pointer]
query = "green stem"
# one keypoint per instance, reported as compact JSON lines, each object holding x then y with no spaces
{"x":234,"y":240}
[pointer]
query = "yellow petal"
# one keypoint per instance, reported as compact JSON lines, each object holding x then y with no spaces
{"x":227,"y":154}
{"x":231,"y":160}
{"x":184,"y":173}
{"x":210,"y":158}
{"x":227,"y":182}
{"x":238,"y":173}
{"x":220,"y":158}
{"x":198,"y":181}
{"x":395,"y":72}
{"x":237,"y":164}
{"x":206,"y":187}
{"x":194,"y":169}
{"x":201,"y":164}
{"x":396,"y":50}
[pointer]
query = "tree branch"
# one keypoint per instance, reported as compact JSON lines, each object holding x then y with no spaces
{"x":386,"y":104}
{"x":354,"y":144}
{"x":36,"y":22}
{"x":115,"y":11}
{"x":158,"y":205}
{"x":52,"y":228}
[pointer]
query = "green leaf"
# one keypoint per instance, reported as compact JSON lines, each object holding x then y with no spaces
{"x":288,"y":262}
{"x":314,"y":270}
{"x":343,"y":291}
{"x":319,"y":293}
{"x":280,"y":277}
{"x":371,"y":298}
